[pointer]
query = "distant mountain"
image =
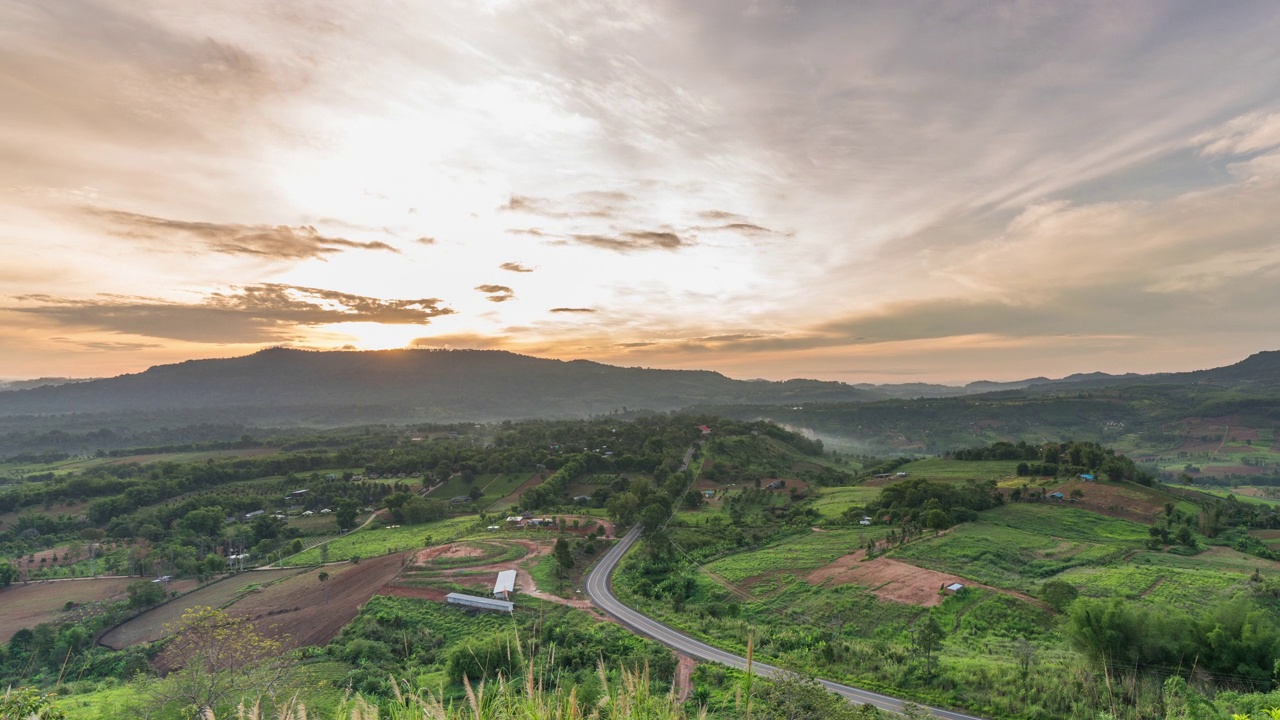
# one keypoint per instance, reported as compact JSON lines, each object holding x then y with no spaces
{"x":6,"y":385}
{"x":335,"y":388}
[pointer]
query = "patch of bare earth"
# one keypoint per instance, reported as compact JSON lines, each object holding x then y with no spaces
{"x":894,"y":580}
{"x":684,"y":677}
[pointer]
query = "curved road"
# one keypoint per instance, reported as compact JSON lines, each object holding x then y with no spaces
{"x":599,"y":589}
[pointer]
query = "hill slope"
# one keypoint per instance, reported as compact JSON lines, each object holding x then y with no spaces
{"x":440,"y":385}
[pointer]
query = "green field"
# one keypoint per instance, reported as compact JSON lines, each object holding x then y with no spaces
{"x":382,"y":540}
{"x":1004,"y":557}
{"x":799,"y":553}
{"x":944,"y":469}
{"x":832,"y":501}
{"x":1059,"y":521}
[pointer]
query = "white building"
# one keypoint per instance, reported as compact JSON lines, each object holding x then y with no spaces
{"x":505,"y":586}
{"x":481,"y":603}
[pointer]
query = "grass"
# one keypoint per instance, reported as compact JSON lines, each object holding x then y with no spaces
{"x":1006,"y":557}
{"x":832,"y":501}
{"x":1059,"y":521}
{"x":379,"y":541}
{"x":798,"y":553}
{"x":944,"y":469}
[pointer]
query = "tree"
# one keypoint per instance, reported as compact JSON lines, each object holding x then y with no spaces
{"x":344,"y":512}
{"x":8,"y":573}
{"x":929,"y":637}
{"x":219,"y":660}
{"x":564,"y":557}
{"x":324,"y":582}
{"x":1059,"y":594}
{"x":937,"y":520}
{"x":1076,"y":493}
{"x":145,"y":593}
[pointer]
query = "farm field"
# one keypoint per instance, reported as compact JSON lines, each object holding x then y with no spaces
{"x":302,"y":608}
{"x":1005,"y":557}
{"x":26,"y":606}
{"x":945,"y":469}
{"x":374,"y":541}
{"x":150,"y":626}
{"x":832,"y":501}
{"x":792,"y":556}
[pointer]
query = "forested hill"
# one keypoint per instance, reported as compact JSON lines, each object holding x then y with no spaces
{"x":282,"y":385}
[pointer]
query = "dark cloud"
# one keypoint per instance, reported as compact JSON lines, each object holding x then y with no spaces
{"x":573,"y":310}
{"x":515,"y":267}
{"x":497,"y":293}
{"x":252,"y":314}
{"x":630,"y":345}
{"x":280,"y":242}
{"x":632,"y":241}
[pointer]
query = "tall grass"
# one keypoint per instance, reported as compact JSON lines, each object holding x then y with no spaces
{"x":630,"y":697}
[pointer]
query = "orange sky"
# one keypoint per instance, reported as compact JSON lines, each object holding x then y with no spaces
{"x":869,"y":192}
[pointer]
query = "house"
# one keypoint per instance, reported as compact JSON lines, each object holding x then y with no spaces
{"x":775,"y":485}
{"x":708,"y":493}
{"x":704,"y":429}
{"x":1055,"y":496}
{"x":515,"y":518}
{"x":325,"y":511}
{"x":1087,"y":477}
{"x":308,"y":513}
{"x":459,"y":500}
{"x":900,"y":474}
{"x":479,"y":603}
{"x":955,"y":587}
{"x":865,"y":520}
{"x":254,"y":514}
{"x":505,"y":586}
{"x":581,"y":498}
{"x":491,"y":528}
{"x":297,"y":494}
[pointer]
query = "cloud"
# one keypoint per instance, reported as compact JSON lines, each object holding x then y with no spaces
{"x":278,"y":242}
{"x":424,"y":240}
{"x":108,"y":346}
{"x":588,"y":204}
{"x":497,"y":293}
{"x":721,"y":216}
{"x":252,"y":314}
{"x":633,"y":241}
{"x":573,"y":310}
{"x":515,"y":267}
{"x":1248,"y":133}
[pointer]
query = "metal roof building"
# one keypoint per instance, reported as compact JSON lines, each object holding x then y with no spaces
{"x":482,"y":603}
{"x":506,"y":584}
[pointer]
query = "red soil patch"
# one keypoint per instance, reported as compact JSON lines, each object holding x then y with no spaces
{"x":299,"y":602}
{"x":894,"y":580}
{"x":684,"y":677}
{"x":419,"y":593}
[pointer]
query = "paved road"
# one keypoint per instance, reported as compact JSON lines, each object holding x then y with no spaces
{"x":600,"y":590}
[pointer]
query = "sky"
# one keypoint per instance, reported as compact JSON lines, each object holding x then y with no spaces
{"x":868,"y":192}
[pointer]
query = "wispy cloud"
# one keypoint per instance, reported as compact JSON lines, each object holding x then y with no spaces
{"x":515,"y":267}
{"x":253,"y":314}
{"x":573,"y":310}
{"x":277,"y":242}
{"x":633,"y":241}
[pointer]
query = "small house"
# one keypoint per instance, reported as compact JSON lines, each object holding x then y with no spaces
{"x":708,"y":493}
{"x":505,"y":586}
{"x":704,"y":429}
{"x":1087,"y":477}
{"x":308,"y":513}
{"x":775,"y":485}
{"x":955,"y":587}
{"x":1055,"y":496}
{"x":325,"y":511}
{"x":254,"y":514}
{"x":581,"y":498}
{"x":865,"y":520}
{"x":460,"y":499}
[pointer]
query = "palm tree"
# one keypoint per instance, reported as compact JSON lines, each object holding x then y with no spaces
{"x":324,"y":582}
